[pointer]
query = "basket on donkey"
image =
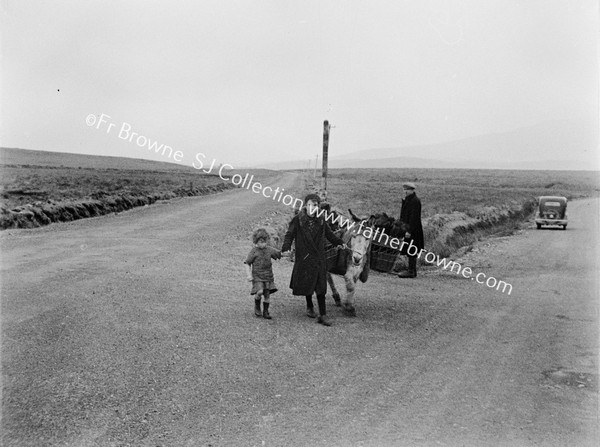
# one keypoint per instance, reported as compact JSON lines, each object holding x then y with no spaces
{"x":383,"y":257}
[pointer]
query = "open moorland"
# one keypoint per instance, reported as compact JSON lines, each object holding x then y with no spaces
{"x":450,"y":190}
{"x":38,"y":187}
{"x":459,"y":205}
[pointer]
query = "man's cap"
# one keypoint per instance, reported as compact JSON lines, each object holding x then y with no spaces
{"x":408,"y":185}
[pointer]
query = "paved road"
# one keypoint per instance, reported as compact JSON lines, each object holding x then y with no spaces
{"x":137,"y":329}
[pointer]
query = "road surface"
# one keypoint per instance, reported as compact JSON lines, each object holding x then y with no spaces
{"x":138,"y":329}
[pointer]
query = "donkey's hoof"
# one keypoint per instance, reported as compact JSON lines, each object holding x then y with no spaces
{"x":336,"y":298}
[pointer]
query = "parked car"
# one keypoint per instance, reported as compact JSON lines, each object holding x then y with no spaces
{"x":552,"y":210}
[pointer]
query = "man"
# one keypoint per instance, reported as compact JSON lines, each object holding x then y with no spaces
{"x":309,"y":274}
{"x":410,"y":216}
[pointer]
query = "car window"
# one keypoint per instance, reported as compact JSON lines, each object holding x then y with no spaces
{"x":552,"y":203}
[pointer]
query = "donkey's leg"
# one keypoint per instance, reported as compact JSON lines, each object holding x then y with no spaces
{"x":334,"y":292}
{"x":348,"y":303}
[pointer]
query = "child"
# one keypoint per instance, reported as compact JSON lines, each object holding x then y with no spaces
{"x":309,"y":274}
{"x":260,"y":271}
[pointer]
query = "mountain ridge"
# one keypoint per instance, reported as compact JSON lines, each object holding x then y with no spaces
{"x":551,"y":145}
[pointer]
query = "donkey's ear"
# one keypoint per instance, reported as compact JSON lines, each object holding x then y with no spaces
{"x":354,"y":217}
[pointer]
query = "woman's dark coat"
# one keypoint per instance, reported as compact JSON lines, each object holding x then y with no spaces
{"x":410,"y":215}
{"x":310,"y":270}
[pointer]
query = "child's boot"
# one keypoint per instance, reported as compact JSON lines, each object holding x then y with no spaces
{"x":266,"y":311}
{"x":257,"y":307}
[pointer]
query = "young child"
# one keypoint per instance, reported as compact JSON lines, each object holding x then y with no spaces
{"x":260,"y":271}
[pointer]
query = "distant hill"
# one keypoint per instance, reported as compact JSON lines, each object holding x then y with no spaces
{"x":15,"y":156}
{"x":552,"y":145}
{"x":394,"y":162}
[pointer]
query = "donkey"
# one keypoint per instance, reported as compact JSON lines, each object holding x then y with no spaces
{"x":354,"y":265}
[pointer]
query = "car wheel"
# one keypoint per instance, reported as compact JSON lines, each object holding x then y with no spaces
{"x":564,"y":227}
{"x":539,"y":226}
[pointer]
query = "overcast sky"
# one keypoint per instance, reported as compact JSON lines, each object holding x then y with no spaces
{"x":252,"y":81}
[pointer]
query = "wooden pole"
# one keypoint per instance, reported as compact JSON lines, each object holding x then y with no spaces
{"x":315,"y":170}
{"x":325,"y":153}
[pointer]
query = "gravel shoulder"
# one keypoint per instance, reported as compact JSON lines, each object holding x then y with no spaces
{"x":137,"y":329}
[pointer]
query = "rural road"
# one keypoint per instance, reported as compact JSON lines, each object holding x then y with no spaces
{"x":138,"y":329}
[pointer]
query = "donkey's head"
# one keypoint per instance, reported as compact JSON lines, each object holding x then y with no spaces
{"x":356,"y":240}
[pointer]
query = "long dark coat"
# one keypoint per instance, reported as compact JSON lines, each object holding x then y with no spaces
{"x":310,"y":270}
{"x":410,"y":215}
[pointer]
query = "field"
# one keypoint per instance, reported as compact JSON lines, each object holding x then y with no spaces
{"x":444,"y":191}
{"x":460,"y":206}
{"x":39,"y":187}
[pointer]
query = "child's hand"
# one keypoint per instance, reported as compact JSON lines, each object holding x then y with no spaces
{"x":342,"y":247}
{"x":285,"y":254}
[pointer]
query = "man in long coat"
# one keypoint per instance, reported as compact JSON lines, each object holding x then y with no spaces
{"x":410,"y":216}
{"x":310,"y":268}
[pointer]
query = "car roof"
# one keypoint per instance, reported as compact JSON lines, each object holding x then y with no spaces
{"x":559,"y":198}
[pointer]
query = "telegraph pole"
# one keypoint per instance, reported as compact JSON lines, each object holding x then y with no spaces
{"x":325,"y":153}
